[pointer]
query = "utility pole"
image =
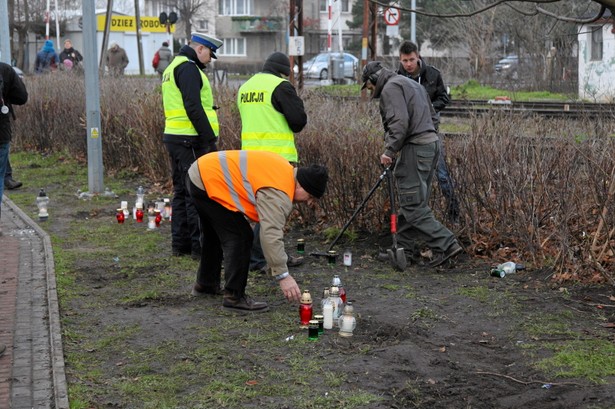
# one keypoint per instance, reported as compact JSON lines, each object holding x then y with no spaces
{"x":139,"y":45}
{"x":369,"y":29}
{"x":92,"y":99}
{"x":105,"y":42}
{"x":5,"y":40}
{"x":413,"y":22}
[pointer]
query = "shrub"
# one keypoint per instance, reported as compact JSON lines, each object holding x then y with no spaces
{"x":533,"y":190}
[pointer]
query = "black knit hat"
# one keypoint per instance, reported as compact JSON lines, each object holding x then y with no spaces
{"x":313,"y":179}
{"x":371,"y":72}
{"x":278,"y":63}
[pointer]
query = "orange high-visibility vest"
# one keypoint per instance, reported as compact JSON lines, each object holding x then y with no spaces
{"x":232,"y":178}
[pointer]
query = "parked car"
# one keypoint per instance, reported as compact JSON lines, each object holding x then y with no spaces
{"x":318,"y":67}
{"x":507,"y":66}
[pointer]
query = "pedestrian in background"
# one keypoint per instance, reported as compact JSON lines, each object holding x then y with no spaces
{"x":191,"y":130}
{"x":46,"y":59}
{"x":271,"y":112}
{"x":70,"y":58}
{"x":117,"y":60}
{"x":162,"y":58}
{"x":12,"y":92}
{"x":411,"y":141}
{"x":411,"y":65}
{"x":229,"y":189}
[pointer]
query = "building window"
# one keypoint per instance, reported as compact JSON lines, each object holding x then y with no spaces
{"x":203,"y":25}
{"x":234,"y":7}
{"x":233,"y":47}
{"x":334,"y":5}
{"x":596,"y":43}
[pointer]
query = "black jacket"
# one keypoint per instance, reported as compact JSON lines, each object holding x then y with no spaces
{"x":431,"y":79}
{"x":13,"y":93}
{"x":189,"y":82}
{"x":71,"y":54}
{"x":286,"y":101}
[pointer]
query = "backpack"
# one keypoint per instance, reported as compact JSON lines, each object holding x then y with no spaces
{"x":156,"y":60}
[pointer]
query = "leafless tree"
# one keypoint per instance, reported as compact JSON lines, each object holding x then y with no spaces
{"x":530,"y":8}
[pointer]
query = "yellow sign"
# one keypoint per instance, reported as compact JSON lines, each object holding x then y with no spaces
{"x":127,"y":24}
{"x":94,"y":133}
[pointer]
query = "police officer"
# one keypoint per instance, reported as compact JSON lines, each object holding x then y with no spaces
{"x":191,"y":131}
{"x":271,"y":113}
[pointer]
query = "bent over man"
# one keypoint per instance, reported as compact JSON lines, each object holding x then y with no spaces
{"x":410,"y":138}
{"x":190,"y":131}
{"x":231,"y":187}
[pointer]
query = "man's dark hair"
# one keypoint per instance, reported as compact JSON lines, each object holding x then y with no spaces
{"x":408,"y":47}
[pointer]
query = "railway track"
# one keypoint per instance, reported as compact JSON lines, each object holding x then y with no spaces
{"x":466,"y":108}
{"x":549,"y":109}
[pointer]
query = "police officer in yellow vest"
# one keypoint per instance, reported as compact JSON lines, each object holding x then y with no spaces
{"x":191,"y":131}
{"x":231,"y":187}
{"x":271,"y":112}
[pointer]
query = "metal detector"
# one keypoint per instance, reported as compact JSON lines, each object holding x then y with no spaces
{"x":354,"y":215}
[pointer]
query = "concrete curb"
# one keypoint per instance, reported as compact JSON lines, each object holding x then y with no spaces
{"x":56,"y":351}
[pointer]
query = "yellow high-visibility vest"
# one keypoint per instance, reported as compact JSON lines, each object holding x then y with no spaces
{"x":176,"y":118}
{"x":263,"y":128}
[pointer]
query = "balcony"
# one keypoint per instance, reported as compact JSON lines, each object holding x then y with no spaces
{"x":252,"y":24}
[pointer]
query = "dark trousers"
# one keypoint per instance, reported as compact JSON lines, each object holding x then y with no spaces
{"x":257,"y":258}
{"x":228,"y":236}
{"x":8,"y":173}
{"x":185,"y":235}
{"x":446,"y":183}
{"x":414,"y":173}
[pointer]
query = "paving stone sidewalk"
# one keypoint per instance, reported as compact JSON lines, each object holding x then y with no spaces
{"x":32,"y":368}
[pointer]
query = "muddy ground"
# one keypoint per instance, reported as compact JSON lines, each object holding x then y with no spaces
{"x":452,"y":337}
{"x":459,"y":346}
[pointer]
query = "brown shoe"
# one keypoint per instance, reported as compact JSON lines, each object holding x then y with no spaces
{"x":243,"y":303}
{"x":440,"y":257}
{"x":200,"y":290}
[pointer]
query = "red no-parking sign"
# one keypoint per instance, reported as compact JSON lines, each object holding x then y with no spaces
{"x":391,"y":16}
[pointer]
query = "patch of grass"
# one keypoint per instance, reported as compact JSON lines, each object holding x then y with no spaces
{"x":480,"y":294}
{"x":473,"y":90}
{"x":591,"y":359}
{"x":425,"y":314}
{"x":331,"y":233}
{"x":548,"y":325}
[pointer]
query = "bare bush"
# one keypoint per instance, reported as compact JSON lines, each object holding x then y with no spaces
{"x":533,"y":190}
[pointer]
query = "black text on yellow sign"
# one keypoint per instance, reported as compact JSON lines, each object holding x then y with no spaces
{"x":128,"y":23}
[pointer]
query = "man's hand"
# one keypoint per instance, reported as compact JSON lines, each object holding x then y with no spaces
{"x":290,"y":289}
{"x":385,"y":160}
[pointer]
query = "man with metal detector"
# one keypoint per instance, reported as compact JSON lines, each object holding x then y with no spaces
{"x":411,"y":147}
{"x":411,"y":65}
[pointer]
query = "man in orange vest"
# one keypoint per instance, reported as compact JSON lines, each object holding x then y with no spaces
{"x":232,"y":188}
